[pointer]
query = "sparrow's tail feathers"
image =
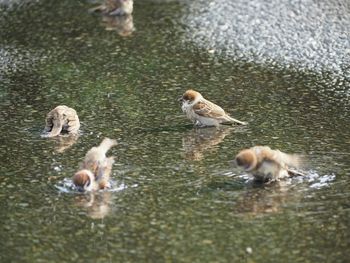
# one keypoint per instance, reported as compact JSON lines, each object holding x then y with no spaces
{"x":229,"y":119}
{"x":293,"y":172}
{"x":106,"y":144}
{"x":291,"y":160}
{"x":96,"y":9}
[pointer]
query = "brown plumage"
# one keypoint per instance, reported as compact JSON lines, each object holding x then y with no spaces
{"x":96,"y":168}
{"x":82,"y":177}
{"x":204,"y":112}
{"x":265,"y":164}
{"x":61,"y":119}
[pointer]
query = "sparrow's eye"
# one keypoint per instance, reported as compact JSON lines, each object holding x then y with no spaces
{"x":186,"y":98}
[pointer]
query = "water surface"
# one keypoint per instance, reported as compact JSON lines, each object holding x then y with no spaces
{"x":177,"y":196}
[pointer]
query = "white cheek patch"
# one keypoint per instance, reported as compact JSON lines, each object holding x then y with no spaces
{"x":89,"y":184}
{"x":186,"y":105}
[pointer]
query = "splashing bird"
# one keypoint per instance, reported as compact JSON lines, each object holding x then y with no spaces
{"x":96,"y":168}
{"x":266,"y":165}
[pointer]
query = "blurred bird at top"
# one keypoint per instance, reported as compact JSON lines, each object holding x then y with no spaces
{"x":115,"y":7}
{"x":204,"y":112}
{"x":61,"y":119}
{"x":266,"y":165}
{"x":96,"y":168}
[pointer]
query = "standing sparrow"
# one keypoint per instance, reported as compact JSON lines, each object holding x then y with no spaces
{"x":266,"y":164}
{"x":203,"y":112}
{"x":96,"y":168}
{"x":61,"y":119}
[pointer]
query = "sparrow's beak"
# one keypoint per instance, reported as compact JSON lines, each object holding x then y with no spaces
{"x":180,"y":99}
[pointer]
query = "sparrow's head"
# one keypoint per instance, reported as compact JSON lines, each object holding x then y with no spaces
{"x":246,"y":159}
{"x":190,"y":96}
{"x":83,"y":180}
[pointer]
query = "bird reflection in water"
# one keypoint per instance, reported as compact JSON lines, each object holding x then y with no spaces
{"x":97,"y":204}
{"x":123,"y":25}
{"x":198,"y":141}
{"x":64,"y":142}
{"x":264,"y":199}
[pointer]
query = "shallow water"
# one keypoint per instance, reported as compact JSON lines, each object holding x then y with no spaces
{"x":177,"y":196}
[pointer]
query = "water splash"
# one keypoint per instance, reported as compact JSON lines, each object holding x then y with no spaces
{"x":67,"y":186}
{"x":311,"y":178}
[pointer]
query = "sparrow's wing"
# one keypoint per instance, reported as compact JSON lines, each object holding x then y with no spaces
{"x":71,"y":120}
{"x":73,"y":126}
{"x":91,"y":164}
{"x":104,"y":172}
{"x":56,"y":128}
{"x":292,"y":160}
{"x":278,"y":157}
{"x":266,"y":154}
{"x":208,"y":109}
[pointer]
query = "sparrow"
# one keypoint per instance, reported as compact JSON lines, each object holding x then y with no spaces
{"x":266,"y":165}
{"x":61,"y":119}
{"x":96,"y":168}
{"x":204,"y":112}
{"x":115,"y":7}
